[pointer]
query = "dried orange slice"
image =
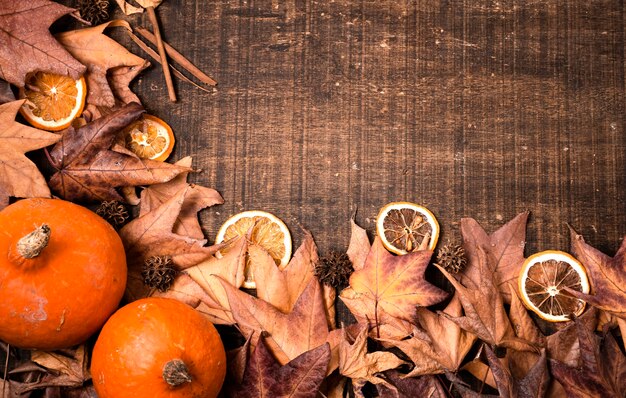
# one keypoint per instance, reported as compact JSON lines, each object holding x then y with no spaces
{"x":405,"y":227}
{"x":268,"y":232}
{"x":149,"y":138}
{"x":542,"y":279}
{"x":52,"y":101}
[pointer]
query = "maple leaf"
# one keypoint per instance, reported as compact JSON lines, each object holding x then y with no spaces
{"x":603,"y":369}
{"x":200,"y":198}
{"x":607,"y":276}
{"x":103,"y":55}
{"x":390,"y":286}
{"x":289,"y":335}
{"x":441,"y":346}
{"x":359,"y":246}
{"x":301,"y":377}
{"x":505,"y":248}
{"x":19,"y":177}
{"x":485,"y":315}
{"x":410,"y":387}
{"x":26,"y":44}
{"x":6,"y":94}
{"x":362,"y":366}
{"x":151,"y":235}
{"x":87,"y":170}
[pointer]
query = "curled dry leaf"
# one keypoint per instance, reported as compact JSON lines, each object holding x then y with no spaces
{"x":67,"y":368}
{"x":362,"y":366}
{"x":301,"y":377}
{"x":607,"y":276}
{"x":400,"y":386}
{"x":485,"y":315}
{"x":27,"y":44}
{"x":390,"y":286}
{"x":504,"y":249}
{"x":107,"y":62}
{"x":19,"y":177}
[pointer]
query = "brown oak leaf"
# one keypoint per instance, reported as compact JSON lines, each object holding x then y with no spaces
{"x":152,"y":235}
{"x":26,"y":44}
{"x":288,"y":335}
{"x":485,"y":315}
{"x":411,"y":387}
{"x":264,"y":377}
{"x":440,"y":345}
{"x":362,"y":366}
{"x":109,"y":64}
{"x":505,"y":248}
{"x":607,"y":276}
{"x":390,"y":286}
{"x":200,"y":198}
{"x":602,"y":372}
{"x":19,"y":177}
{"x":87,"y":170}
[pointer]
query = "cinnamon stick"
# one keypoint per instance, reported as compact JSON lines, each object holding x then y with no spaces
{"x":159,"y":42}
{"x":178,"y":57}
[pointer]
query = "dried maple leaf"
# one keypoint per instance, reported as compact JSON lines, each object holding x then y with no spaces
{"x":390,"y":286}
{"x":607,"y":276}
{"x":87,"y":170}
{"x":264,"y":377}
{"x":411,"y":387}
{"x":485,"y":315}
{"x":6,"y":94}
{"x":103,"y":56}
{"x":187,"y":222}
{"x":505,"y":248}
{"x":603,"y":369}
{"x":151,"y":235}
{"x":359,"y":246}
{"x":288,"y":335}
{"x":362,"y":366}
{"x":19,"y":177}
{"x":441,"y":346}
{"x":26,"y":44}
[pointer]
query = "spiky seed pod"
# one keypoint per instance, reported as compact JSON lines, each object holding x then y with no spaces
{"x":94,"y":11}
{"x":334,"y":270}
{"x":451,"y":257}
{"x":159,"y":272}
{"x":114,"y":212}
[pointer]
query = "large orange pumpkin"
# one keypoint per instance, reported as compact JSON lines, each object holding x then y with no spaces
{"x":158,"y":347}
{"x":62,"y":273}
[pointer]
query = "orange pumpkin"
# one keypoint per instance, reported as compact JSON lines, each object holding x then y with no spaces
{"x":158,"y":347}
{"x":62,"y":273}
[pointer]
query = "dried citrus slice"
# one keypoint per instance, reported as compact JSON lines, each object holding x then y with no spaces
{"x":149,"y":138}
{"x":52,"y":101}
{"x":542,"y":279}
{"x":268,"y":231}
{"x":404,"y":227}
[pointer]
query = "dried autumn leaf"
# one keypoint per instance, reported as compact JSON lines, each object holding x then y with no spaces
{"x":19,"y":177}
{"x":67,"y":368}
{"x":87,"y":170}
{"x":485,"y":315}
{"x":441,"y":346}
{"x":26,"y":44}
{"x":359,"y":246}
{"x":288,"y":335}
{"x":607,"y":276}
{"x":602,"y":372}
{"x":128,"y":8}
{"x":6,"y":94}
{"x":362,"y":366}
{"x":563,"y":345}
{"x":102,"y":55}
{"x":505,"y":249}
{"x":390,"y":286}
{"x":266,"y":378}
{"x":411,"y":387}
{"x":187,"y":222}
{"x":533,"y":385}
{"x":151,"y":235}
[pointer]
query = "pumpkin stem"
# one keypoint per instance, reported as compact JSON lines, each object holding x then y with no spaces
{"x":175,"y":373}
{"x":31,"y":245}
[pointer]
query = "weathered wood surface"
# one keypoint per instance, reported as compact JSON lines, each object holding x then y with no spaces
{"x":472,"y":108}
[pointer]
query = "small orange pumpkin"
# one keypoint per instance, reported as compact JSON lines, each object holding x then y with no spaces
{"x":158,"y":347}
{"x":62,"y":273}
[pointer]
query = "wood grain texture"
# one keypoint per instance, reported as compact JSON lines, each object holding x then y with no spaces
{"x":472,"y":108}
